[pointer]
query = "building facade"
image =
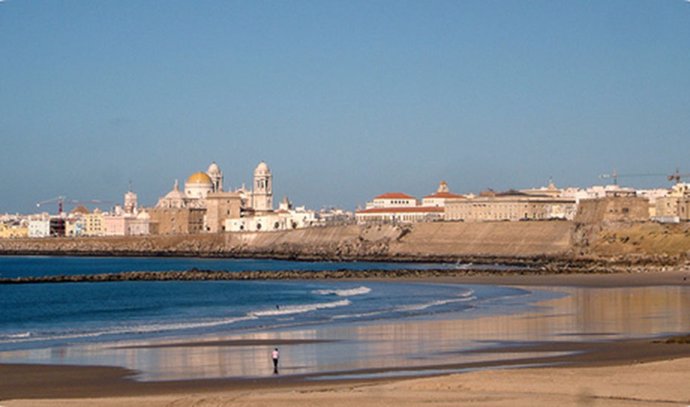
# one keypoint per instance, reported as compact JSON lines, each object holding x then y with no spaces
{"x":39,"y":228}
{"x":440,"y":197}
{"x":176,"y":221}
{"x":675,"y":206}
{"x":13,"y":231}
{"x":511,"y":206}
{"x":613,"y":209}
{"x":221,"y":206}
{"x":399,"y":207}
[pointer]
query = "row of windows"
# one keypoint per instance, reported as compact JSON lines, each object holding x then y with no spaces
{"x":399,"y":202}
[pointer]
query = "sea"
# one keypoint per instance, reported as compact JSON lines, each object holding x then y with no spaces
{"x":64,"y":314}
{"x":326,"y":329}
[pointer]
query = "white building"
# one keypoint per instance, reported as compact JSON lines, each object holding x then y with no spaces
{"x":285,"y":218}
{"x":137,"y":225}
{"x":596,"y":192}
{"x":440,"y":197}
{"x":39,"y":227}
{"x":401,"y":214}
{"x":335,"y":216}
{"x":392,"y":200}
{"x":393,"y":207}
{"x":131,"y":203}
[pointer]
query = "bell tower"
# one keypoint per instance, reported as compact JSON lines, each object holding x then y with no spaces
{"x":262,"y":195}
{"x":130,"y":201}
{"x":216,"y":176}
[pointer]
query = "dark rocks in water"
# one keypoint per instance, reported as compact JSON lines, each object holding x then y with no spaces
{"x":196,"y":274}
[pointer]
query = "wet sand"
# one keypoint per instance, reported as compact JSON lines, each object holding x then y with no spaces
{"x":613,"y":280}
{"x":587,"y":361}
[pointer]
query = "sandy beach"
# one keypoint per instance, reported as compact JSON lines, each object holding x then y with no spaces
{"x":642,"y":384}
{"x":586,"y":363}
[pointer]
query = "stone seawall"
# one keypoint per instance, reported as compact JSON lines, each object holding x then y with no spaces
{"x":550,"y":244}
{"x":440,"y":241}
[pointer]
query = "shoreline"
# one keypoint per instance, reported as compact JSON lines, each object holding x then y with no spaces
{"x":28,"y":381}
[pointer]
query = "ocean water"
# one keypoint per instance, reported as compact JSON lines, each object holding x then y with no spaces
{"x":58,"y":315}
{"x":325,"y":329}
{"x":21,"y":266}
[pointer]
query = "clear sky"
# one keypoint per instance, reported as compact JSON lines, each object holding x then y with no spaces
{"x":343,"y":99}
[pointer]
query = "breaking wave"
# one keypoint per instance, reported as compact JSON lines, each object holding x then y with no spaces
{"x":299,"y":309}
{"x":344,"y":293}
{"x":121,"y":330}
{"x":463,"y":297}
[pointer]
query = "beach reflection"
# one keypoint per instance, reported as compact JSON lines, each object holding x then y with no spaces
{"x":584,"y":314}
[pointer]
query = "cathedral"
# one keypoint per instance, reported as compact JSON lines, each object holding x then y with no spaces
{"x":202,"y":186}
{"x":202,"y":205}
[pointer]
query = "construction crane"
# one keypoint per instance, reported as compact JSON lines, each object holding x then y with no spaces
{"x":676,"y":176}
{"x":62,"y":200}
{"x":615,"y":175}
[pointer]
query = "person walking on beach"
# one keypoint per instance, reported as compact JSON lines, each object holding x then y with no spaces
{"x":275,"y":355}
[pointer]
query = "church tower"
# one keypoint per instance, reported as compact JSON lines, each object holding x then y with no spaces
{"x":262,"y":195}
{"x":216,"y":176}
{"x":130,"y":201}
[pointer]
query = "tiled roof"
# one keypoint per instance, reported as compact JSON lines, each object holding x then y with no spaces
{"x":414,"y":209}
{"x":394,"y":195}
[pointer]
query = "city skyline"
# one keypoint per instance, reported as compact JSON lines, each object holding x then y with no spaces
{"x":343,"y":100}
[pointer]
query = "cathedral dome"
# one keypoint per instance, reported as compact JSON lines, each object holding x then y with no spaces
{"x":175,"y":194}
{"x":200,"y":178}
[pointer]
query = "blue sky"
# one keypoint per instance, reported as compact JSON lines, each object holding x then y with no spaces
{"x":343,"y":99}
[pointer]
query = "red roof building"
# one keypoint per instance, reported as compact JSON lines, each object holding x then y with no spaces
{"x":439,"y":197}
{"x":397,"y":207}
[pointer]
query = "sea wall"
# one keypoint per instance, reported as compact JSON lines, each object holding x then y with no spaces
{"x":437,"y":240}
{"x":557,"y":243}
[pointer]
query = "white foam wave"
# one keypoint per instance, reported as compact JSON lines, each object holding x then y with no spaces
{"x":362,"y":315}
{"x":420,"y":307}
{"x":123,"y":330}
{"x":299,"y":309}
{"x":19,"y":335}
{"x":344,"y":293}
{"x":466,"y":293}
{"x":24,"y":337}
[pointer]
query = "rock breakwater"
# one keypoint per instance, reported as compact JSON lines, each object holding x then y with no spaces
{"x":214,"y":275}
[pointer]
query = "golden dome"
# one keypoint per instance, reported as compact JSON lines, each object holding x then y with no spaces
{"x":199,"y":178}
